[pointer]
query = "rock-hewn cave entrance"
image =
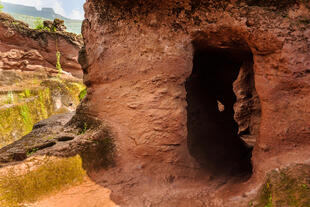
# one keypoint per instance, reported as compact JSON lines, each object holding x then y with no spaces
{"x":214,"y":137}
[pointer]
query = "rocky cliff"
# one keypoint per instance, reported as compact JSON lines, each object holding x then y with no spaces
{"x":28,"y":49}
{"x":35,"y":75}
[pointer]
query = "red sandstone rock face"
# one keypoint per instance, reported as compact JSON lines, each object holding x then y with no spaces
{"x":156,"y":71}
{"x":25,"y":49}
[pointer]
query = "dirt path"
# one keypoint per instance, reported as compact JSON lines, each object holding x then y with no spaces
{"x":88,"y":194}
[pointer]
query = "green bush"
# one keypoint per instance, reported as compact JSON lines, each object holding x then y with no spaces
{"x":38,"y":24}
{"x":1,"y":7}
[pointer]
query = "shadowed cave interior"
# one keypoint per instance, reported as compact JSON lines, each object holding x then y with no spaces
{"x":213,"y":134}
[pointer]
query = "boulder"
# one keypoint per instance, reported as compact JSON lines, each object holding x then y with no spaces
{"x":59,"y":25}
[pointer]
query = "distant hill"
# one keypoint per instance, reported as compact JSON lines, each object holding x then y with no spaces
{"x":30,"y":14}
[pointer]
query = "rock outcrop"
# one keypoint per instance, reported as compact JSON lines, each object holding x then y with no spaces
{"x":56,"y":25}
{"x":36,"y":68}
{"x":28,"y":49}
{"x":161,"y":74}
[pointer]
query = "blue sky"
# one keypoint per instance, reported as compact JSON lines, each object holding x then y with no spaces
{"x":72,"y":9}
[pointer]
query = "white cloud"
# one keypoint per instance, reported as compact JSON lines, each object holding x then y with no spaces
{"x":76,"y":14}
{"x":55,"y":4}
{"x":36,"y":3}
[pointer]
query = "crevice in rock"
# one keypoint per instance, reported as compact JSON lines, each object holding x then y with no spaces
{"x":64,"y":138}
{"x":45,"y":145}
{"x":213,"y":91}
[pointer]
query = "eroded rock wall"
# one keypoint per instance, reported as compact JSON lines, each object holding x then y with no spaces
{"x":32,"y":87}
{"x":33,"y":99}
{"x":22,"y":48}
{"x":137,"y":59}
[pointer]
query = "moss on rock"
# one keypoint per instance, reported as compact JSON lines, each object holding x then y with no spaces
{"x":47,"y":176}
{"x":32,"y":105}
{"x":286,"y":187}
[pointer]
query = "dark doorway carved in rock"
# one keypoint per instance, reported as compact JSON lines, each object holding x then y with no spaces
{"x":221,"y":100}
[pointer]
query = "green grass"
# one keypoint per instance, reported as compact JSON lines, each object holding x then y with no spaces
{"x":26,"y":116}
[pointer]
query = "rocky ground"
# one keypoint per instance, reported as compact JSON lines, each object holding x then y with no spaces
{"x":87,"y":194}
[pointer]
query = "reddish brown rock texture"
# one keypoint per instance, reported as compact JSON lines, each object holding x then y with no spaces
{"x":28,"y":49}
{"x":162,"y":75}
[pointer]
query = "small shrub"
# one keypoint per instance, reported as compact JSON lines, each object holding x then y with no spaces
{"x":83,"y":94}
{"x":38,"y":23}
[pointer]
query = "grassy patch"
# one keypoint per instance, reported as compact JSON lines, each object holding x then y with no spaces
{"x":27,"y":93}
{"x":46,"y":178}
{"x":26,"y":116}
